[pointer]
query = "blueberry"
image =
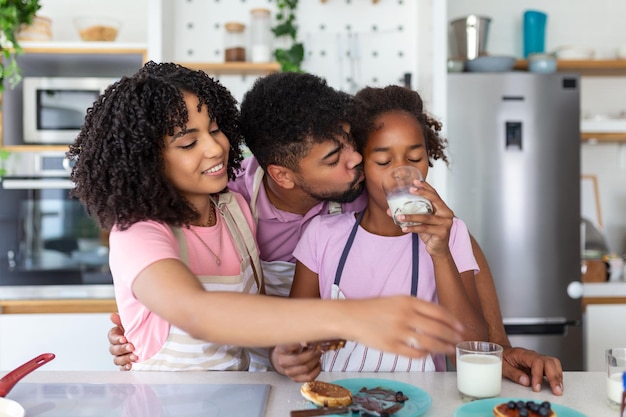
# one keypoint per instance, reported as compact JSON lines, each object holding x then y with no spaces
{"x":533,"y":406}
{"x":545,"y":404}
{"x":511,"y":405}
{"x":521,"y":404}
{"x":523,"y":412}
{"x":544,"y":412}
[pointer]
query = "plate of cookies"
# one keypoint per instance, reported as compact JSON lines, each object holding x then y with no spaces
{"x":369,"y":396}
{"x":511,"y":407}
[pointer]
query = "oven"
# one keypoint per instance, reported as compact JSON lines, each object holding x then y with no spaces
{"x":47,"y":237}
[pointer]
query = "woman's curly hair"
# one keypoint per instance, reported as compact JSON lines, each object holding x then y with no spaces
{"x":370,"y":102}
{"x":119,"y":172}
{"x":284,"y":114}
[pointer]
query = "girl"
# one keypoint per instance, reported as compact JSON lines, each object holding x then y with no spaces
{"x":153,"y":159}
{"x":361,"y":255}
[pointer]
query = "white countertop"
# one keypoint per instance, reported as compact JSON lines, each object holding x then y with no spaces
{"x":583,"y":391}
{"x":56,"y":292}
{"x":604,"y":289}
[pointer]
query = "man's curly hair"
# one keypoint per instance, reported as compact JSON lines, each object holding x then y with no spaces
{"x":119,"y":172}
{"x":284,"y":114}
{"x":370,"y":102}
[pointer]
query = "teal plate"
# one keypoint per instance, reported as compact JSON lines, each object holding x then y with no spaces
{"x":419,"y":401}
{"x":482,"y":408}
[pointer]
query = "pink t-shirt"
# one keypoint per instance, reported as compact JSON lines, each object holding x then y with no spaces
{"x":278,"y":231}
{"x":145,"y":243}
{"x":376,"y":265}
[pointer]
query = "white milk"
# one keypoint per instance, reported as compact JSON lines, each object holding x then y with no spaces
{"x":408,"y":204}
{"x":479,"y":376}
{"x":614,"y":388}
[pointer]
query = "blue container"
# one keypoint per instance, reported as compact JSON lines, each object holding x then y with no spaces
{"x":534,"y":32}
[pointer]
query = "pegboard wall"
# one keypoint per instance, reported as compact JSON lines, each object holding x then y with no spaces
{"x":351,"y":43}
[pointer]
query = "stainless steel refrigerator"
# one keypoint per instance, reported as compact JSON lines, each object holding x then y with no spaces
{"x":514,"y":178}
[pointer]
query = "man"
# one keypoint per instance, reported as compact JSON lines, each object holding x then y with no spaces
{"x":297,"y":128}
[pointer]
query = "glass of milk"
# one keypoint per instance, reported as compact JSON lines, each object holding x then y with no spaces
{"x":478,"y":370}
{"x":396,"y":187}
{"x":616,"y":366}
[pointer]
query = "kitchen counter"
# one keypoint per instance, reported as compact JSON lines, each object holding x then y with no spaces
{"x":604,"y":289}
{"x":584,"y":391}
{"x":30,"y":299}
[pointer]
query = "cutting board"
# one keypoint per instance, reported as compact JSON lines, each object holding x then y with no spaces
{"x":141,"y":400}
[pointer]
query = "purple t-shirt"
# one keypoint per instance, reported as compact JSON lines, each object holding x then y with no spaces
{"x":278,"y":231}
{"x":376,"y":265}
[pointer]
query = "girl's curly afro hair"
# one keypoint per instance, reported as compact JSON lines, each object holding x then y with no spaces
{"x":371,"y":102}
{"x":119,"y":173}
{"x":285,"y":113}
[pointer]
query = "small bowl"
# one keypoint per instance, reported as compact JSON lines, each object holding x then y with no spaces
{"x":456,"y":65}
{"x":575,"y":52}
{"x":97,"y":28}
{"x":542,"y":63}
{"x":491,"y":64}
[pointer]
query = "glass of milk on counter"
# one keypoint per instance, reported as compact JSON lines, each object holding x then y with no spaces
{"x":396,"y":186}
{"x":616,"y":366}
{"x":478,"y":370}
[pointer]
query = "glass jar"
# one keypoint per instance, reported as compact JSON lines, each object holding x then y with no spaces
{"x":234,"y":42}
{"x":260,"y":35}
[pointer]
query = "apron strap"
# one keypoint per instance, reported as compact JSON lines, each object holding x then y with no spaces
{"x":257,"y":183}
{"x":227,"y":205}
{"x":346,"y":250}
{"x":415,"y":240}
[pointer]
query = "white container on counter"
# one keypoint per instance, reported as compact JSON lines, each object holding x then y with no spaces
{"x":260,"y":35}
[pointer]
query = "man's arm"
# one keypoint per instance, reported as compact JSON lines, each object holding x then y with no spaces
{"x":524,"y":366}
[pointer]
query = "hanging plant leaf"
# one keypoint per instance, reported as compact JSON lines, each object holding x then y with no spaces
{"x":289,"y":59}
{"x":13,"y":13}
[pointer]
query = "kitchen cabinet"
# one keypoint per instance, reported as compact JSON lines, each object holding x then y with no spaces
{"x":79,"y":340}
{"x":596,"y":68}
{"x":605,"y":328}
{"x":604,"y":306}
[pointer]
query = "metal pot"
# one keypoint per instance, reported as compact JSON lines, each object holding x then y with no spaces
{"x":470,"y":36}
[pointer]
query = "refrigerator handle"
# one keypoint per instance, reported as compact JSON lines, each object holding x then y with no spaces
{"x":575,"y":289}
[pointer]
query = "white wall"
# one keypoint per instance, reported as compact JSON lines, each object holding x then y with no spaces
{"x":132,"y":14}
{"x":594,"y":24}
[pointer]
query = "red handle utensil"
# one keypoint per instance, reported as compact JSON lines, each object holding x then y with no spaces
{"x":9,"y":380}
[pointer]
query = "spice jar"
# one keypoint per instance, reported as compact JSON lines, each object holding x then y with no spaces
{"x":260,"y":35}
{"x":234,"y":42}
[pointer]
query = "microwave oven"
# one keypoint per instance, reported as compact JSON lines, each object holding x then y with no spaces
{"x":54,"y":108}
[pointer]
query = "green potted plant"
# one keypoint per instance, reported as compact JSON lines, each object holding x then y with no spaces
{"x":290,"y":59}
{"x":13,"y":13}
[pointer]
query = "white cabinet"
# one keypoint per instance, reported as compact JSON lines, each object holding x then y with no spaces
{"x":79,"y":340}
{"x":604,"y":328}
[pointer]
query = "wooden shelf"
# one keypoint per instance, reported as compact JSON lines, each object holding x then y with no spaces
{"x":603,"y":137}
{"x":85,"y":48}
{"x":244,"y":68}
{"x":57,"y":306}
{"x":606,"y":67}
{"x":36,"y":148}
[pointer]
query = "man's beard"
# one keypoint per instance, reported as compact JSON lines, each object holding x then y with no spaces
{"x":354,"y":190}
